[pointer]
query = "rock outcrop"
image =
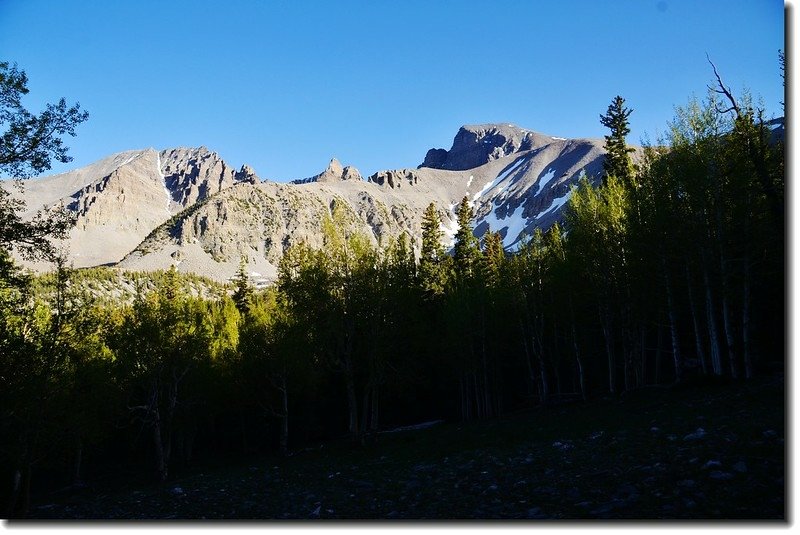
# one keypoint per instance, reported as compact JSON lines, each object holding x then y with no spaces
{"x":333,"y":173}
{"x":395,"y":178}
{"x":475,"y":145}
{"x":192,"y":175}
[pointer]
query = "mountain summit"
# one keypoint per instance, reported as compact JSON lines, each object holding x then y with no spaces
{"x":475,"y":145}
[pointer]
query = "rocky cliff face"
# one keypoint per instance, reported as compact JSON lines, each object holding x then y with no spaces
{"x":192,"y":175}
{"x":148,"y":210}
{"x":120,"y":200}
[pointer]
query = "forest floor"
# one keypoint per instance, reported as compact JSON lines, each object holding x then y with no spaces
{"x":702,"y":452}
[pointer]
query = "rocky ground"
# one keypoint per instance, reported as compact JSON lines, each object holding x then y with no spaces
{"x":703,"y":452}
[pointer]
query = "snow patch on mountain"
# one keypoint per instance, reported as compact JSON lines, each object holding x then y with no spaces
{"x":449,"y":230}
{"x":513,"y":224}
{"x":544,"y":180}
{"x":499,"y":179}
{"x":557,"y":203}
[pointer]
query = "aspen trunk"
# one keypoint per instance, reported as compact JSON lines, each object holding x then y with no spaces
{"x":16,"y":489}
{"x":161,"y":460}
{"x":659,"y":351}
{"x":476,"y":395}
{"x":576,"y":349}
{"x":528,"y":358}
{"x":538,"y":351}
{"x":25,"y":491}
{"x":352,"y":400}
{"x":746,"y":326}
{"x":673,"y":324}
{"x":698,"y":339}
{"x":365,"y":399}
{"x":641,"y":378}
{"x":77,"y":463}
{"x":19,"y":501}
{"x":243,"y":429}
{"x":374,"y":412}
{"x":462,"y":397}
{"x":727,"y":321}
{"x":605,"y":321}
{"x":188,"y":444}
{"x":284,"y":437}
{"x":716,"y":357}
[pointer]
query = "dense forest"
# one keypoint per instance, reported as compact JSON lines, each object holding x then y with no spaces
{"x":668,"y":269}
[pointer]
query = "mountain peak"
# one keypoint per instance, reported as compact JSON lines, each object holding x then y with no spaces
{"x":477,"y":144}
{"x":334,"y":167}
{"x":333,"y":173}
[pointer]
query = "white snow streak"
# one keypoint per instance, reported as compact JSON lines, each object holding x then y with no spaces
{"x":450,"y":231}
{"x":544,"y":180}
{"x":556,"y":204}
{"x":163,"y":181}
{"x":500,"y":178}
{"x":558,"y":138}
{"x":514,"y":223}
{"x":483,"y":189}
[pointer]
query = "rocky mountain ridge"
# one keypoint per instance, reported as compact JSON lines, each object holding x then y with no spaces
{"x":147,"y":210}
{"x":332,"y":173}
{"x":119,"y":200}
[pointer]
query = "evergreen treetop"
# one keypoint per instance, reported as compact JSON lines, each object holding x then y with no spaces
{"x":432,"y":272}
{"x":466,"y":251}
{"x":618,"y":162}
{"x":243,"y":292}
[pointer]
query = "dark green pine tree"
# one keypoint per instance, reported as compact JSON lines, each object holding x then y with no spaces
{"x":493,"y":256}
{"x":403,"y":258}
{"x":618,"y":161}
{"x":466,"y":252}
{"x":432,"y":256}
{"x":243,"y":292}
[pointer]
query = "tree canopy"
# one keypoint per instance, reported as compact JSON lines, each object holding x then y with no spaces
{"x":28,"y":144}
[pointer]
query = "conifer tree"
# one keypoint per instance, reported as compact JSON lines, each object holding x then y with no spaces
{"x":431,"y":269}
{"x":243,"y":292}
{"x":618,"y":161}
{"x":492,"y":257}
{"x":466,"y":252}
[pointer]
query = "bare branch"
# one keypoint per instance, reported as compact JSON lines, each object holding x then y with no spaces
{"x":723,"y":91}
{"x":721,"y":111}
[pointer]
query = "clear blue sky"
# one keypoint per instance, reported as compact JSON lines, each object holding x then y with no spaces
{"x":286,"y":85}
